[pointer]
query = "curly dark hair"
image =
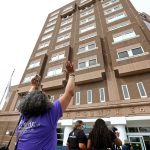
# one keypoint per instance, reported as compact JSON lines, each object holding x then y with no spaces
{"x":34,"y":103}
{"x":100,"y":134}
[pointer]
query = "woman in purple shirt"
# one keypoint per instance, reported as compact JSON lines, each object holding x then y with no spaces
{"x":37,"y":128}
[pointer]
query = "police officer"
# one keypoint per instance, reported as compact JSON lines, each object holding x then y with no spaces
{"x":77,"y":139}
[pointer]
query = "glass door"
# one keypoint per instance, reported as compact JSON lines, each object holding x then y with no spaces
{"x":137,"y":142}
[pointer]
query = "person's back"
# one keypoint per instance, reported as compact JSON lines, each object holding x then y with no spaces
{"x":77,"y":139}
{"x":37,"y":128}
{"x":40,"y":133}
{"x":101,"y":138}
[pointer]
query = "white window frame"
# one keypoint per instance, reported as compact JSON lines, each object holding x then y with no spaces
{"x":49,"y":29}
{"x":64,"y":37}
{"x":87,"y":28}
{"x":54,"y":13}
{"x":77,"y":101}
{"x":44,"y":44}
{"x":111,"y":2}
{"x":124,"y":92}
{"x":51,"y":23}
{"x":34,"y":64}
{"x":112,"y":9}
{"x":130,"y":53}
{"x":40,"y":53}
{"x":65,"y":22}
{"x":120,"y":25}
{"x":53,"y":18}
{"x":52,"y":98}
{"x":89,"y":101}
{"x":65,"y":44}
{"x":86,"y":46}
{"x":124,"y":36}
{"x":47,"y":36}
{"x":66,"y":28}
{"x":140,"y":90}
{"x":116,"y":17}
{"x":87,"y":63}
{"x":53,"y":71}
{"x":100,"y":96}
{"x":88,"y":19}
{"x":88,"y":36}
{"x":57,"y":56}
{"x":87,"y":12}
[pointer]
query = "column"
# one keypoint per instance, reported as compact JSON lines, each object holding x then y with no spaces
{"x":67,"y":130}
{"x":119,"y":123}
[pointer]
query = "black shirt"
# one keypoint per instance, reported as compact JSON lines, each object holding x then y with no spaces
{"x":75,"y":137}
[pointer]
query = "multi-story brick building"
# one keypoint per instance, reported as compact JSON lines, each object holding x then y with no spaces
{"x":109,"y":44}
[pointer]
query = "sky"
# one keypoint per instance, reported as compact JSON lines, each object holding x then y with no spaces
{"x":21,"y":22}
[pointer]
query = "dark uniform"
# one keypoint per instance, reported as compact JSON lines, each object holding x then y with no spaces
{"x":75,"y":137}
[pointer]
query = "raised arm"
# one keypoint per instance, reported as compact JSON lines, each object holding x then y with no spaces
{"x":35,"y":83}
{"x":69,"y":90}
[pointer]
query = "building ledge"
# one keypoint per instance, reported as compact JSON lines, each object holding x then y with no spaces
{"x":133,"y":68}
{"x":68,"y":12}
{"x":54,"y":84}
{"x":86,"y":4}
{"x":93,"y":76}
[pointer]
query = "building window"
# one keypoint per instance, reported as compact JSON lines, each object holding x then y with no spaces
{"x":51,"y":23}
{"x":44,"y":44}
{"x":62,"y":45}
{"x":54,"y":71}
{"x":120,"y":25}
{"x":58,"y":56}
{"x":87,"y":28}
{"x":125,"y":92}
{"x":49,"y":29}
{"x":102,"y":94}
{"x":66,"y":22}
{"x":45,"y":37}
{"x":131,"y":53}
{"x":111,"y":2}
{"x":87,"y":63}
{"x":63,"y":37}
{"x":40,"y":53}
{"x":88,"y":19}
{"x":34,"y":64}
{"x":141,"y":90}
{"x":77,"y":98}
{"x":113,"y":9}
{"x":88,"y":36}
{"x":53,"y":18}
{"x":29,"y":77}
{"x":124,"y":36}
{"x":116,"y":17}
{"x":88,"y":47}
{"x":89,"y":96}
{"x":87,"y":12}
{"x":66,"y":28}
{"x":52,"y":98}
{"x":54,"y":13}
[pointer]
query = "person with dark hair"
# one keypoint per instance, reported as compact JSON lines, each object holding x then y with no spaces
{"x":37,"y":128}
{"x":117,"y":133}
{"x":101,"y":138}
{"x":77,"y":139}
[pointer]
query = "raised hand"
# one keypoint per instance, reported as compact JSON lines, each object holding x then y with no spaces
{"x":36,"y":81}
{"x":69,"y":67}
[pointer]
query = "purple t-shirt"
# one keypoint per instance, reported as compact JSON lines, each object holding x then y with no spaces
{"x":40,"y":133}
